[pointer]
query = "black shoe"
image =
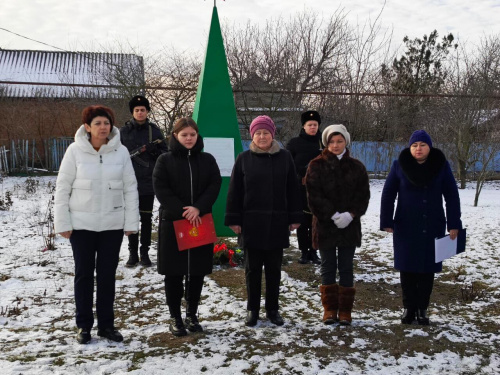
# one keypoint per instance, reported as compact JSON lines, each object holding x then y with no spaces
{"x":83,"y":336}
{"x":192,"y":324}
{"x":422,"y":317}
{"x":145,"y":261}
{"x":313,"y":257}
{"x":252,"y":317}
{"x":110,"y":333}
{"x":133,"y":259}
{"x":177,"y":327}
{"x":275,"y":317}
{"x":304,"y":258}
{"x":408,"y":316}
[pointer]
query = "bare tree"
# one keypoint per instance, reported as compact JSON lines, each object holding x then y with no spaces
{"x":285,"y":59}
{"x":472,"y":120}
{"x":171,"y":79}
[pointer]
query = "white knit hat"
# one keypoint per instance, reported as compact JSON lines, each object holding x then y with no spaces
{"x":330,"y":129}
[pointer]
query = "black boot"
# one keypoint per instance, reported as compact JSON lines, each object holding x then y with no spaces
{"x":252,"y":317}
{"x":192,"y":324}
{"x":177,"y":327}
{"x":304,"y":258}
{"x":275,"y":317}
{"x":145,"y":261}
{"x":191,"y":320}
{"x":133,"y":246}
{"x":313,"y":257}
{"x":422,"y":317}
{"x":133,"y":259}
{"x":408,"y":316}
{"x":83,"y":336}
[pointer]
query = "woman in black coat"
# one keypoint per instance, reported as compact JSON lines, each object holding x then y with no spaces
{"x":420,"y":178}
{"x":186,"y":182}
{"x":304,"y":148}
{"x":263,"y":206}
{"x":338,"y":191}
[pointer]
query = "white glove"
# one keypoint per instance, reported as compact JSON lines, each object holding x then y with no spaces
{"x":342,"y":220}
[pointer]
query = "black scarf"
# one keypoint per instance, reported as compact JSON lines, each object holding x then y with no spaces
{"x":421,"y":174}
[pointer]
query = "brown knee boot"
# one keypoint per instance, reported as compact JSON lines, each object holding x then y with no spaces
{"x":346,"y":300}
{"x":330,"y":302}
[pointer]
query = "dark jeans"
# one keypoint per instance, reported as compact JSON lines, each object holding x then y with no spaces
{"x":417,"y":289}
{"x":174,"y":290}
{"x":146,"y":203}
{"x":271,"y":260}
{"x":344,"y":261}
{"x":304,"y":233}
{"x":97,"y":251}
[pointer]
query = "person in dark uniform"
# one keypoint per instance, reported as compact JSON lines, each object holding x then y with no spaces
{"x":137,"y":132}
{"x":304,"y":148}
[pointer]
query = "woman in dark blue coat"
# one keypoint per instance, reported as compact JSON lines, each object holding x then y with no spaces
{"x":420,"y":178}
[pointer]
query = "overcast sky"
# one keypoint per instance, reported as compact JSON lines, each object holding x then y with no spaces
{"x":149,"y":25}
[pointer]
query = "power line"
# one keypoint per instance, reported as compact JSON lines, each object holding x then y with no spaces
{"x":33,"y":40}
{"x":321,"y":93}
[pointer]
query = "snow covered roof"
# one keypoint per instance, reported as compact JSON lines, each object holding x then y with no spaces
{"x":67,"y":74}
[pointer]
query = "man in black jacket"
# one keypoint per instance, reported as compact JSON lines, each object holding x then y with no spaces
{"x":137,"y":132}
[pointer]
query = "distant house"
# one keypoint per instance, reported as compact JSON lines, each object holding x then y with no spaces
{"x":42,"y":93}
{"x":254,"y":97}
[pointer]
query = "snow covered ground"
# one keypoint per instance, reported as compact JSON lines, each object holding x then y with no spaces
{"x":37,"y":334}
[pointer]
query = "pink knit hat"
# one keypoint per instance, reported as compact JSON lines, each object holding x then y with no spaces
{"x":262,"y":122}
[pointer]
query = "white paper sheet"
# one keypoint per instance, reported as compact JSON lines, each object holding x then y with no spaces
{"x":222,"y":149}
{"x":445,"y":248}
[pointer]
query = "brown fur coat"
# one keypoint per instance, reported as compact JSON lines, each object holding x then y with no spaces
{"x":335,"y":185}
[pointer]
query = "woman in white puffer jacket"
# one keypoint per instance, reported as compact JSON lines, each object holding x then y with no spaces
{"x":96,"y":202}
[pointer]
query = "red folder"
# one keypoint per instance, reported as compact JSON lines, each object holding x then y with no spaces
{"x":189,"y":236}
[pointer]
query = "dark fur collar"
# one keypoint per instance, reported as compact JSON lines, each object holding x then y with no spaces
{"x":421,"y":174}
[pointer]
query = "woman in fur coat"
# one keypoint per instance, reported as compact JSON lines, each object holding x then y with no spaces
{"x":420,"y":178}
{"x":338,"y":193}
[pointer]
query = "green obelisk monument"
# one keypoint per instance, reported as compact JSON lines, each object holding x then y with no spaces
{"x":215,"y":114}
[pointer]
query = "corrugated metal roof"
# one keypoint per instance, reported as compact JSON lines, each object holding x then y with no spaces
{"x":67,"y":68}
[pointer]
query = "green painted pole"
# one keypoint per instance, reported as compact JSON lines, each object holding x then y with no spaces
{"x":215,"y":114}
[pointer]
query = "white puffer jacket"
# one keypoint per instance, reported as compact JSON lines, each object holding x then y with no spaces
{"x":96,"y":190}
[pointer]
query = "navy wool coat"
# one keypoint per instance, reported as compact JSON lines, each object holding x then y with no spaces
{"x":420,"y":216}
{"x":182,"y":178}
{"x":264,"y":198}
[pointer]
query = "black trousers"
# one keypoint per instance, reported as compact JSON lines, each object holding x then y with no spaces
{"x":146,"y":203}
{"x":344,"y":261}
{"x":174,"y":290}
{"x":304,"y":233}
{"x":271,"y":260}
{"x":417,"y":289}
{"x":97,"y":251}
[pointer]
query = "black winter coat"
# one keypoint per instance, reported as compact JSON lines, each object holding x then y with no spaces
{"x":264,"y":198}
{"x":419,"y":216}
{"x":304,"y":148}
{"x":182,"y":178}
{"x":133,"y":136}
{"x":335,"y":185}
